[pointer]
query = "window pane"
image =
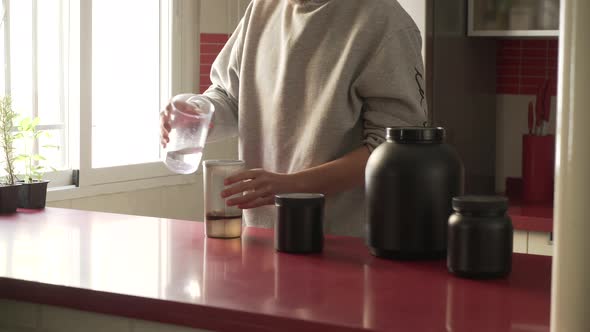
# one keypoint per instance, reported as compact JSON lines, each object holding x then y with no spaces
{"x":52,"y":147}
{"x":48,"y":62}
{"x":21,"y":56}
{"x":125,"y":82}
{"x":2,"y":57}
{"x":50,"y":71}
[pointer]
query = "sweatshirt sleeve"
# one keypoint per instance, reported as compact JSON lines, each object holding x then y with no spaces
{"x":225,"y":88}
{"x":391,"y":86}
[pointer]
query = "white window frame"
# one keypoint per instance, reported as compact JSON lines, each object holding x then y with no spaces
{"x":181,"y":59}
{"x":56,"y":178}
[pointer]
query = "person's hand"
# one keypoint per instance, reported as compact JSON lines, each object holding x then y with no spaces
{"x":259,"y":187}
{"x":181,"y":104}
{"x":165,"y":125}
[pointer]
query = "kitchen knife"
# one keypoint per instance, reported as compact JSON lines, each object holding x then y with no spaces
{"x":539,"y":110}
{"x":546,"y":104}
{"x":531,"y":118}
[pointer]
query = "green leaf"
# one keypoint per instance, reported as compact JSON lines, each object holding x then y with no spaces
{"x":35,"y":122}
{"x":25,"y":122}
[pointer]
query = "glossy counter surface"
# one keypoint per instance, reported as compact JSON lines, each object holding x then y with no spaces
{"x":534,"y":218}
{"x":166,"y":270}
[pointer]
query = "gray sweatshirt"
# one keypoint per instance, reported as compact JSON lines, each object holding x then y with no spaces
{"x":302,"y":85}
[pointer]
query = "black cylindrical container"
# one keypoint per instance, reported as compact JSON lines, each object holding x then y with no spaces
{"x":480,"y":237}
{"x":299,"y":227}
{"x":410,"y":182}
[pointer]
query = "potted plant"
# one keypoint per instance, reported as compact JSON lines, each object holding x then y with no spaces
{"x":9,"y":188}
{"x":33,"y":189}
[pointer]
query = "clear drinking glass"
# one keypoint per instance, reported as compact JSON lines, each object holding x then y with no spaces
{"x":221,"y":221}
{"x":189,"y":122}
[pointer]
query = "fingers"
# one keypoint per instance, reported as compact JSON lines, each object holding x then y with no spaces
{"x":243,"y":176}
{"x":165,"y":126}
{"x":239,"y":188}
{"x":249,"y":197}
{"x":183,"y":103}
{"x":261,"y":201}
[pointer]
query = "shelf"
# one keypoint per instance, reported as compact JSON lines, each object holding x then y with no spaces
{"x":514,"y":33}
{"x":515,"y":18}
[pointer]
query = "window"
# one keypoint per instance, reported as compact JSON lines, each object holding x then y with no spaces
{"x":97,"y":73}
{"x":33,"y":52}
{"x":125,"y":82}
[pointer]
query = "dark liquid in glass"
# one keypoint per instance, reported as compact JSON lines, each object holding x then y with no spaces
{"x":226,"y":227}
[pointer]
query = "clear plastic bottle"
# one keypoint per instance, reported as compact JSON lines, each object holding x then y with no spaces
{"x":189,"y":122}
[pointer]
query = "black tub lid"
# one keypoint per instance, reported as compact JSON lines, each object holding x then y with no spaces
{"x":299,"y":199}
{"x":478,"y":203}
{"x":416,"y":134}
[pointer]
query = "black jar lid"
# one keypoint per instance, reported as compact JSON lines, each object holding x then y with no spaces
{"x":416,"y":134}
{"x":480,"y":203}
{"x":299,"y":199}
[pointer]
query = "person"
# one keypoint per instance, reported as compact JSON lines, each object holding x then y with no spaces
{"x":309,"y":87}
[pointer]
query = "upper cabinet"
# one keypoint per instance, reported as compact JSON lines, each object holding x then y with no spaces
{"x":513,"y":18}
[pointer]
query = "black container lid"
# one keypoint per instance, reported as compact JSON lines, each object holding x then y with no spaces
{"x":299,"y":199}
{"x":480,"y":203}
{"x":416,"y":134}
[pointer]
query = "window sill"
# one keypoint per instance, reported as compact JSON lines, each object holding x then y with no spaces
{"x":71,"y":192}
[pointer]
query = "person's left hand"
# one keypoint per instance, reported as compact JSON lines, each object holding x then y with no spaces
{"x":259,"y":187}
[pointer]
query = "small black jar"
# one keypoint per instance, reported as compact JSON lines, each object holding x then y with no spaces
{"x":300,"y":223}
{"x":480,"y":237}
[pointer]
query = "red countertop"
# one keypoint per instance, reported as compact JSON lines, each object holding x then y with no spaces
{"x":535,"y":218}
{"x":166,"y":270}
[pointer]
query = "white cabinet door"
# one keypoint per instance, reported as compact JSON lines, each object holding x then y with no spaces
{"x":519,"y":243}
{"x":540,"y":244}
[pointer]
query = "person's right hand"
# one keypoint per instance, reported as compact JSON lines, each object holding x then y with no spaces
{"x":165,"y":125}
{"x":181,"y":104}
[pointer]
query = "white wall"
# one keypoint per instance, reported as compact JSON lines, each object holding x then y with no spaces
{"x":417,"y":10}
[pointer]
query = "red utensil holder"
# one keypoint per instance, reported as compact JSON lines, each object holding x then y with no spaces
{"x":538,"y":168}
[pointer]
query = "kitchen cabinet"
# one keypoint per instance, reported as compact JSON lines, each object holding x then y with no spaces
{"x":519,"y":242}
{"x":540,"y":243}
{"x":534,"y":243}
{"x":513,"y":18}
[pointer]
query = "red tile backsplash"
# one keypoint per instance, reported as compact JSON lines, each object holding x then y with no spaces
{"x":214,"y":38}
{"x":523,"y":65}
{"x":211,"y":45}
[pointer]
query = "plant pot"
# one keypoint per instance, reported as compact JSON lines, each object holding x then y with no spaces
{"x":32,"y":195}
{"x":9,"y":198}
